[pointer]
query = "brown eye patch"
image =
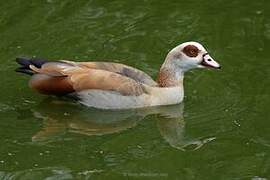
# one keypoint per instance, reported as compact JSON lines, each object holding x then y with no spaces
{"x":191,"y":50}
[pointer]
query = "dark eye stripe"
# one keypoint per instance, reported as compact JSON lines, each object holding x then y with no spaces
{"x":191,"y":50}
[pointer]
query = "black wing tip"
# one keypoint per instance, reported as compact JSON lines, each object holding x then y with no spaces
{"x":24,"y":71}
{"x":25,"y":62}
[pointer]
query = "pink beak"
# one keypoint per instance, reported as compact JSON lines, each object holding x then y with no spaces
{"x":208,"y":61}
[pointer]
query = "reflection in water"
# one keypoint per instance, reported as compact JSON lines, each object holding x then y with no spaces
{"x":60,"y":118}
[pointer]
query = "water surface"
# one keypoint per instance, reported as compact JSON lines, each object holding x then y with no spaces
{"x":221,"y":131}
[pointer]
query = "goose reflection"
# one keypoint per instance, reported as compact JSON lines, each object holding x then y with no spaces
{"x":60,"y":117}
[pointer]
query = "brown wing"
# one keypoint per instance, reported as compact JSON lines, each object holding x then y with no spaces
{"x":122,"y":69}
{"x":62,"y":78}
{"x":47,"y":84}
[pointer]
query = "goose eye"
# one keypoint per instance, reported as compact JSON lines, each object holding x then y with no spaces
{"x":191,"y":51}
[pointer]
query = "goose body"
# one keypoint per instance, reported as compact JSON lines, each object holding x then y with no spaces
{"x":108,"y":85}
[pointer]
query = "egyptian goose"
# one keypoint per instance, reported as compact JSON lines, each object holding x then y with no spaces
{"x":108,"y":85}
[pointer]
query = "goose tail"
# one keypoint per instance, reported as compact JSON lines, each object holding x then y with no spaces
{"x":25,"y":65}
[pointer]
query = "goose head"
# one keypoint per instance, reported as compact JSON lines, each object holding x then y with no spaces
{"x":184,"y":57}
{"x":189,"y":55}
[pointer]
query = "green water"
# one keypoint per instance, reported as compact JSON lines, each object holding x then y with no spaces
{"x":220,"y":132}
